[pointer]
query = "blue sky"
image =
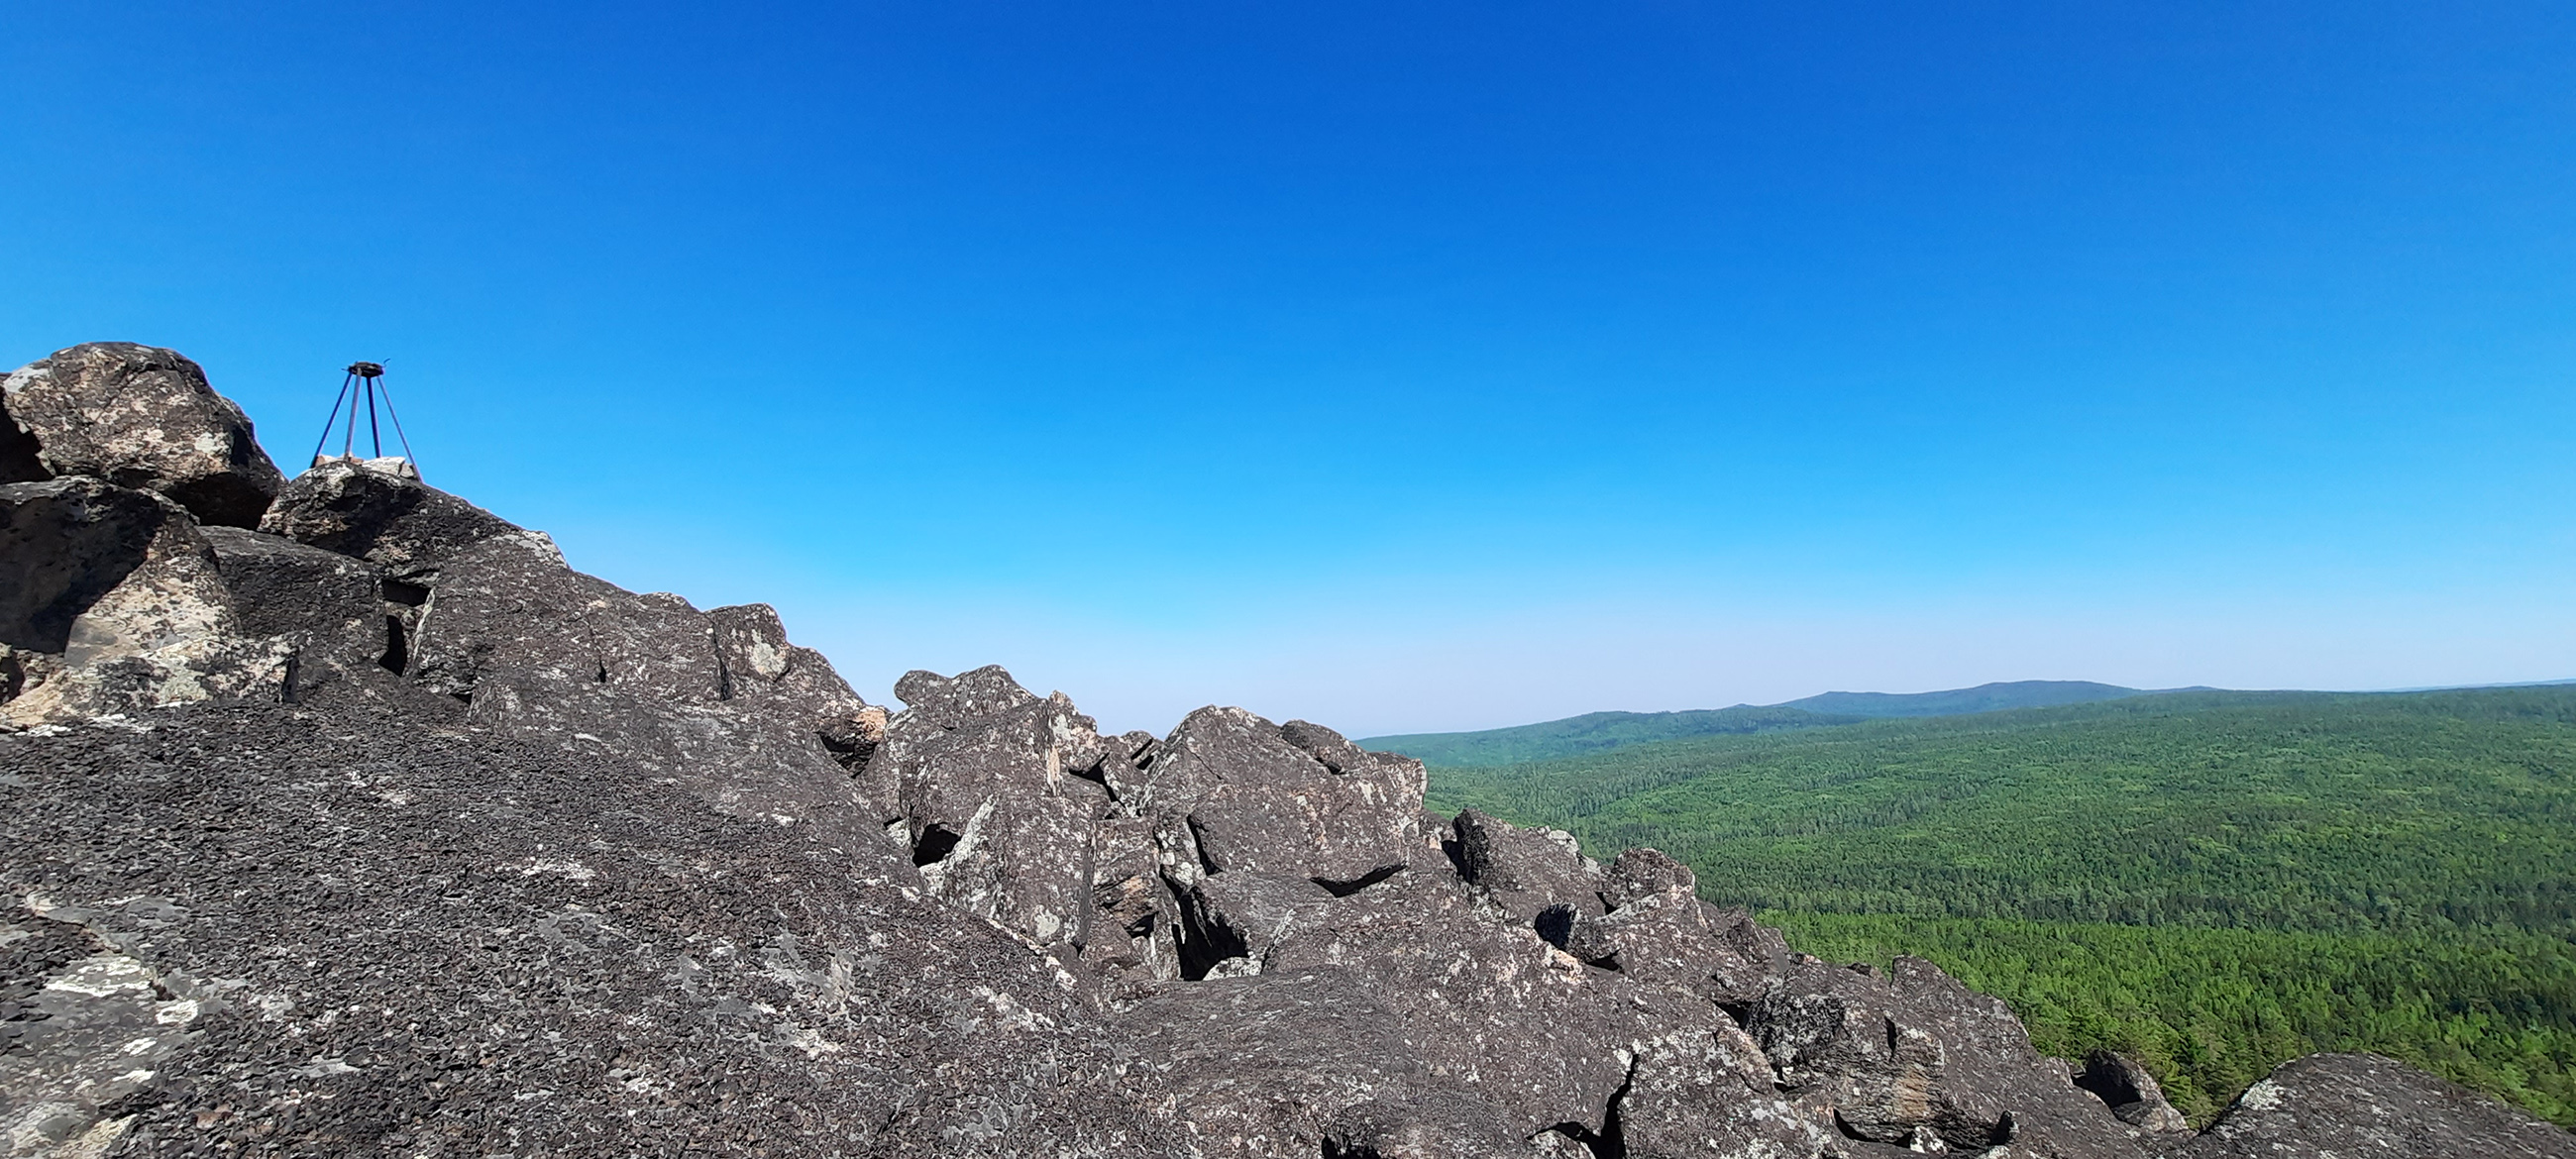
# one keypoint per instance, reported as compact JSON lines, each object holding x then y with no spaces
{"x":1400,"y":366}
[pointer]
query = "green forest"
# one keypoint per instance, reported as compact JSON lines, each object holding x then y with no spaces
{"x":2212,"y":882}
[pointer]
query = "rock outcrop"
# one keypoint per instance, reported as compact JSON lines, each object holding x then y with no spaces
{"x":2363,"y":1105}
{"x":380,"y":830}
{"x":139,"y":417}
{"x":116,"y":604}
{"x":379,"y":511}
{"x":2134,"y":1096}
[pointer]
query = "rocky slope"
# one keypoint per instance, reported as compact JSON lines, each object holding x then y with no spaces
{"x":341,"y":817}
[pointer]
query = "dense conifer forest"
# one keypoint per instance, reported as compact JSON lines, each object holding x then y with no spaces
{"x":2212,"y":882}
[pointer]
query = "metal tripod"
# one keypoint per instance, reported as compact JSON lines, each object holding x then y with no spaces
{"x":362,"y":382}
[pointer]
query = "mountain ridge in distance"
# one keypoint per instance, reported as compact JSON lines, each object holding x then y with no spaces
{"x":1596,"y":731}
{"x":1995,"y":696}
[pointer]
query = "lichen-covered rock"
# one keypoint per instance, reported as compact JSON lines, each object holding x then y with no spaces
{"x":349,"y":627}
{"x":757,"y":665}
{"x":1638,"y":874}
{"x":387,"y":517}
{"x":149,"y":622}
{"x":1916,"y":1059}
{"x":1000,"y":817}
{"x":64,"y":544}
{"x":330,"y":605}
{"x":1306,"y":1063}
{"x":2369,"y":1107}
{"x":1016,"y":808}
{"x":946,"y":702}
{"x":140,"y":417}
{"x":1252,"y":800}
{"x":1528,"y":872}
{"x":529,"y":644}
{"x":88,"y":1034}
{"x":1488,"y":1005}
{"x":426,"y":939}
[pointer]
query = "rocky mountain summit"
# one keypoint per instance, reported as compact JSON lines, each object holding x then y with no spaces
{"x":342,"y":817}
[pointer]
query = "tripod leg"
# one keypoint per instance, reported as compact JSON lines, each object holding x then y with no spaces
{"x":327,"y":424}
{"x":396,"y":415}
{"x":375,"y":434}
{"x":349,"y":442}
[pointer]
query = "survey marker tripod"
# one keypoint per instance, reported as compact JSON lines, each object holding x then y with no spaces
{"x":364,"y":381}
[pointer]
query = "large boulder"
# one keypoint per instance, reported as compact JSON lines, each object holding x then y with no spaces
{"x":1308,"y":1063}
{"x":1527,"y":872}
{"x":527,"y":643}
{"x":117,"y":605}
{"x":2368,"y":1107}
{"x":1914,"y":1059}
{"x":1582,"y":1055}
{"x":349,"y":626}
{"x":140,"y":417}
{"x":1016,"y":808}
{"x":64,"y":544}
{"x":379,"y":512}
{"x":759,"y":667}
{"x":997,"y":810}
{"x":2134,"y":1096}
{"x":1252,"y":799}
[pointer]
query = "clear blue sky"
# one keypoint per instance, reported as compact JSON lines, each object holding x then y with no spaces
{"x":1402,"y":366}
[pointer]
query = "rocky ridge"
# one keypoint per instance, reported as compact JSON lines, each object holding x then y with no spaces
{"x":343,"y":817}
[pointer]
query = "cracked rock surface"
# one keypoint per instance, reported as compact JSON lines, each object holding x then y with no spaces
{"x":380,"y":830}
{"x":135,"y":416}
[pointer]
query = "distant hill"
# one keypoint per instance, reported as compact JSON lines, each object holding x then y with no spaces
{"x":1594,"y":732}
{"x":1995,"y":697}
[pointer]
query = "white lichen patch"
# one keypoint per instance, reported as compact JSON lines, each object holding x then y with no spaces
{"x":567,"y":869}
{"x":807,"y":1039}
{"x":767,"y":660}
{"x":104,"y":976}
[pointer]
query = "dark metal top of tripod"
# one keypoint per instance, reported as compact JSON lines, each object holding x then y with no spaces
{"x":367,"y":369}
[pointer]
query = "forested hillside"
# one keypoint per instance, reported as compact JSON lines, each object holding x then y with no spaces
{"x":2211,"y":881}
{"x":1599,"y":731}
{"x":1593,"y":732}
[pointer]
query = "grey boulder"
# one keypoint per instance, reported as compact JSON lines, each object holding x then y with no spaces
{"x":116,"y":605}
{"x":140,"y":417}
{"x":1914,"y":1059}
{"x":370,"y":509}
{"x":2368,"y":1107}
{"x":2134,"y":1096}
